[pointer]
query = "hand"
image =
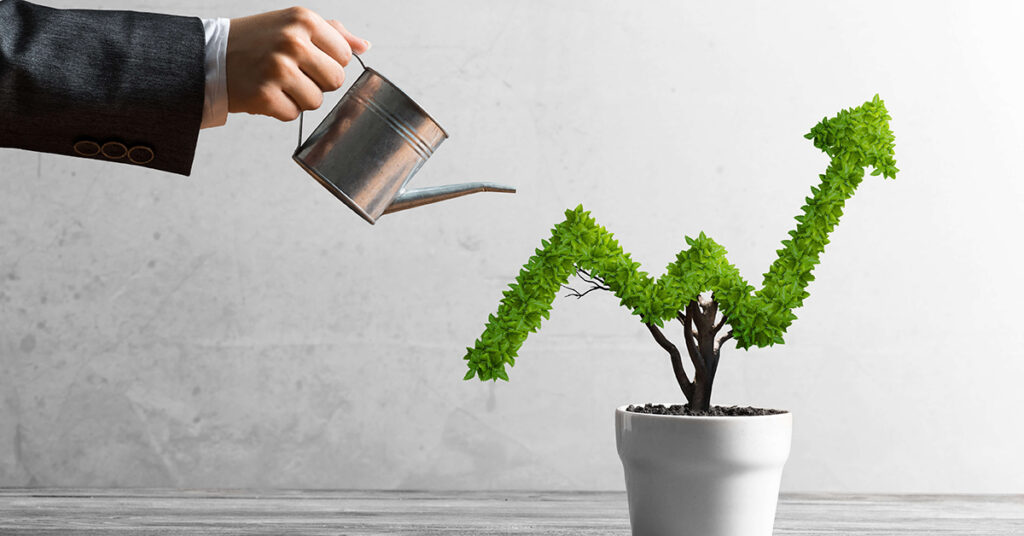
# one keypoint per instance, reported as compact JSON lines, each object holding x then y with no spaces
{"x":281,"y":62}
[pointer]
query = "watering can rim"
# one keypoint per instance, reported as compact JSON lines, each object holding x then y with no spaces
{"x":397,"y":89}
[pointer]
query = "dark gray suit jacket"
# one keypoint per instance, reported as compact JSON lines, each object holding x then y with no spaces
{"x":112,"y":85}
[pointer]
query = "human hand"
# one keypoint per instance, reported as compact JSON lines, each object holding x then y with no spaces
{"x":281,"y":62}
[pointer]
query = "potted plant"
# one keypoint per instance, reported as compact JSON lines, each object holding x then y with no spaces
{"x":697,"y":469}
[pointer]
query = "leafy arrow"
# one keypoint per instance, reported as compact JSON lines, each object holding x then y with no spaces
{"x":854,"y":139}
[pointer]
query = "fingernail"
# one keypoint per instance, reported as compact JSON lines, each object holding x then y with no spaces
{"x":367,"y":43}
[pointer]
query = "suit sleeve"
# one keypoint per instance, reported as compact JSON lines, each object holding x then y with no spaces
{"x":120,"y":86}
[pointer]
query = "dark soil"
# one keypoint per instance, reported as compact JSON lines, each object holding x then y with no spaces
{"x":715,"y":411}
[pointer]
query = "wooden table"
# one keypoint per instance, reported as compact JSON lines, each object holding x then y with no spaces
{"x":164,"y":512}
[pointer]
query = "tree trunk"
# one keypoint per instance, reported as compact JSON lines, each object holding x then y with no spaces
{"x":700,"y":330}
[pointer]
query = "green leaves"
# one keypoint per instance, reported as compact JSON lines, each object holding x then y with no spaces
{"x":855,"y":139}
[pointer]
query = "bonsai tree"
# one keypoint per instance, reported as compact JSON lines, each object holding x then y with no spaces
{"x":701,"y":283}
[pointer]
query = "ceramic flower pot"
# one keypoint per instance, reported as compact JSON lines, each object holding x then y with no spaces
{"x":702,"y":476}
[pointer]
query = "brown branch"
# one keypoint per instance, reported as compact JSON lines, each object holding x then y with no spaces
{"x":682,"y":320}
{"x":718,"y":326}
{"x":721,"y":341}
{"x":591,"y":279}
{"x":711,"y":310}
{"x":700,"y":316}
{"x":573,"y":293}
{"x":677,"y":361}
{"x":691,"y":345}
{"x":596,"y":284}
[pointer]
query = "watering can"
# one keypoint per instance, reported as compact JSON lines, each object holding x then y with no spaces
{"x":371,"y":144}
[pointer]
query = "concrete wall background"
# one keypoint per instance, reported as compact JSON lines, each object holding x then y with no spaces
{"x":241,"y":328}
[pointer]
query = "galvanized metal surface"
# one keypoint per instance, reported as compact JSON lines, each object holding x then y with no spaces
{"x":60,"y":512}
{"x":424,"y":196}
{"x":371,"y":144}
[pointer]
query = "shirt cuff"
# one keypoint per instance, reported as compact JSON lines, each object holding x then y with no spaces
{"x":215,"y":105}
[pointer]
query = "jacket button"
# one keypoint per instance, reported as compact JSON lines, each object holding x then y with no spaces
{"x":140,"y":154}
{"x":114,"y":150}
{"x":87,"y":148}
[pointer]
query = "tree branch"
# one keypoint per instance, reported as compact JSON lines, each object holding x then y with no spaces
{"x":721,"y":341}
{"x":691,"y":344}
{"x":596,"y":284}
{"x":718,"y":326}
{"x":573,"y":293}
{"x":591,"y":279}
{"x":677,"y":361}
{"x":711,"y":310}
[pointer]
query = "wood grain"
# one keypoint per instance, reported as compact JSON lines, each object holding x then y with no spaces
{"x":64,"y":512}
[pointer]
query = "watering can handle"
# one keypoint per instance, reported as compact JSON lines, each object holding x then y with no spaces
{"x":361,"y":64}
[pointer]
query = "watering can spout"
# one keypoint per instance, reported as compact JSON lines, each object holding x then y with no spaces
{"x":416,"y":197}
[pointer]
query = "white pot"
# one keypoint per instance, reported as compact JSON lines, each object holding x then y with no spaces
{"x":702,"y":476}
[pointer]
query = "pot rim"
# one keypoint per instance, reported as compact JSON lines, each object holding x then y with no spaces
{"x":786,"y":414}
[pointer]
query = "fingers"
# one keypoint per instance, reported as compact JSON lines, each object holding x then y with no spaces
{"x":303,"y":91}
{"x":358,"y":45}
{"x":333,"y":46}
{"x":323,"y":70}
{"x":281,"y":62}
{"x":276,"y":104}
{"x":327,"y":38}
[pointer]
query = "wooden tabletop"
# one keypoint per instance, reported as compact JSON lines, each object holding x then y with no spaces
{"x":355,"y":513}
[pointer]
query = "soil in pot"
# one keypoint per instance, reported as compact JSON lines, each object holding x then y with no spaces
{"x":714,"y":411}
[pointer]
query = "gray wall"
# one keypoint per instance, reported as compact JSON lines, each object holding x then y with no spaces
{"x":242,"y":328}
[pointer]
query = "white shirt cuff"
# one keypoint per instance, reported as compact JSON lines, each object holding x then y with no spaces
{"x":215,"y":105}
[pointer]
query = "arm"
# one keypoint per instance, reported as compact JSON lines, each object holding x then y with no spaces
{"x":130,"y":87}
{"x":113,"y":85}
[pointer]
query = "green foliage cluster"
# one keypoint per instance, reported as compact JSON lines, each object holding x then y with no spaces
{"x":853,"y":139}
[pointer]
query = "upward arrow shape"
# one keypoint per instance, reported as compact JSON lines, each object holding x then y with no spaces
{"x":854,"y":139}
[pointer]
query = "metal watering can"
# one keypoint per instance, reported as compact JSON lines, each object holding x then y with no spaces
{"x":371,"y":144}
